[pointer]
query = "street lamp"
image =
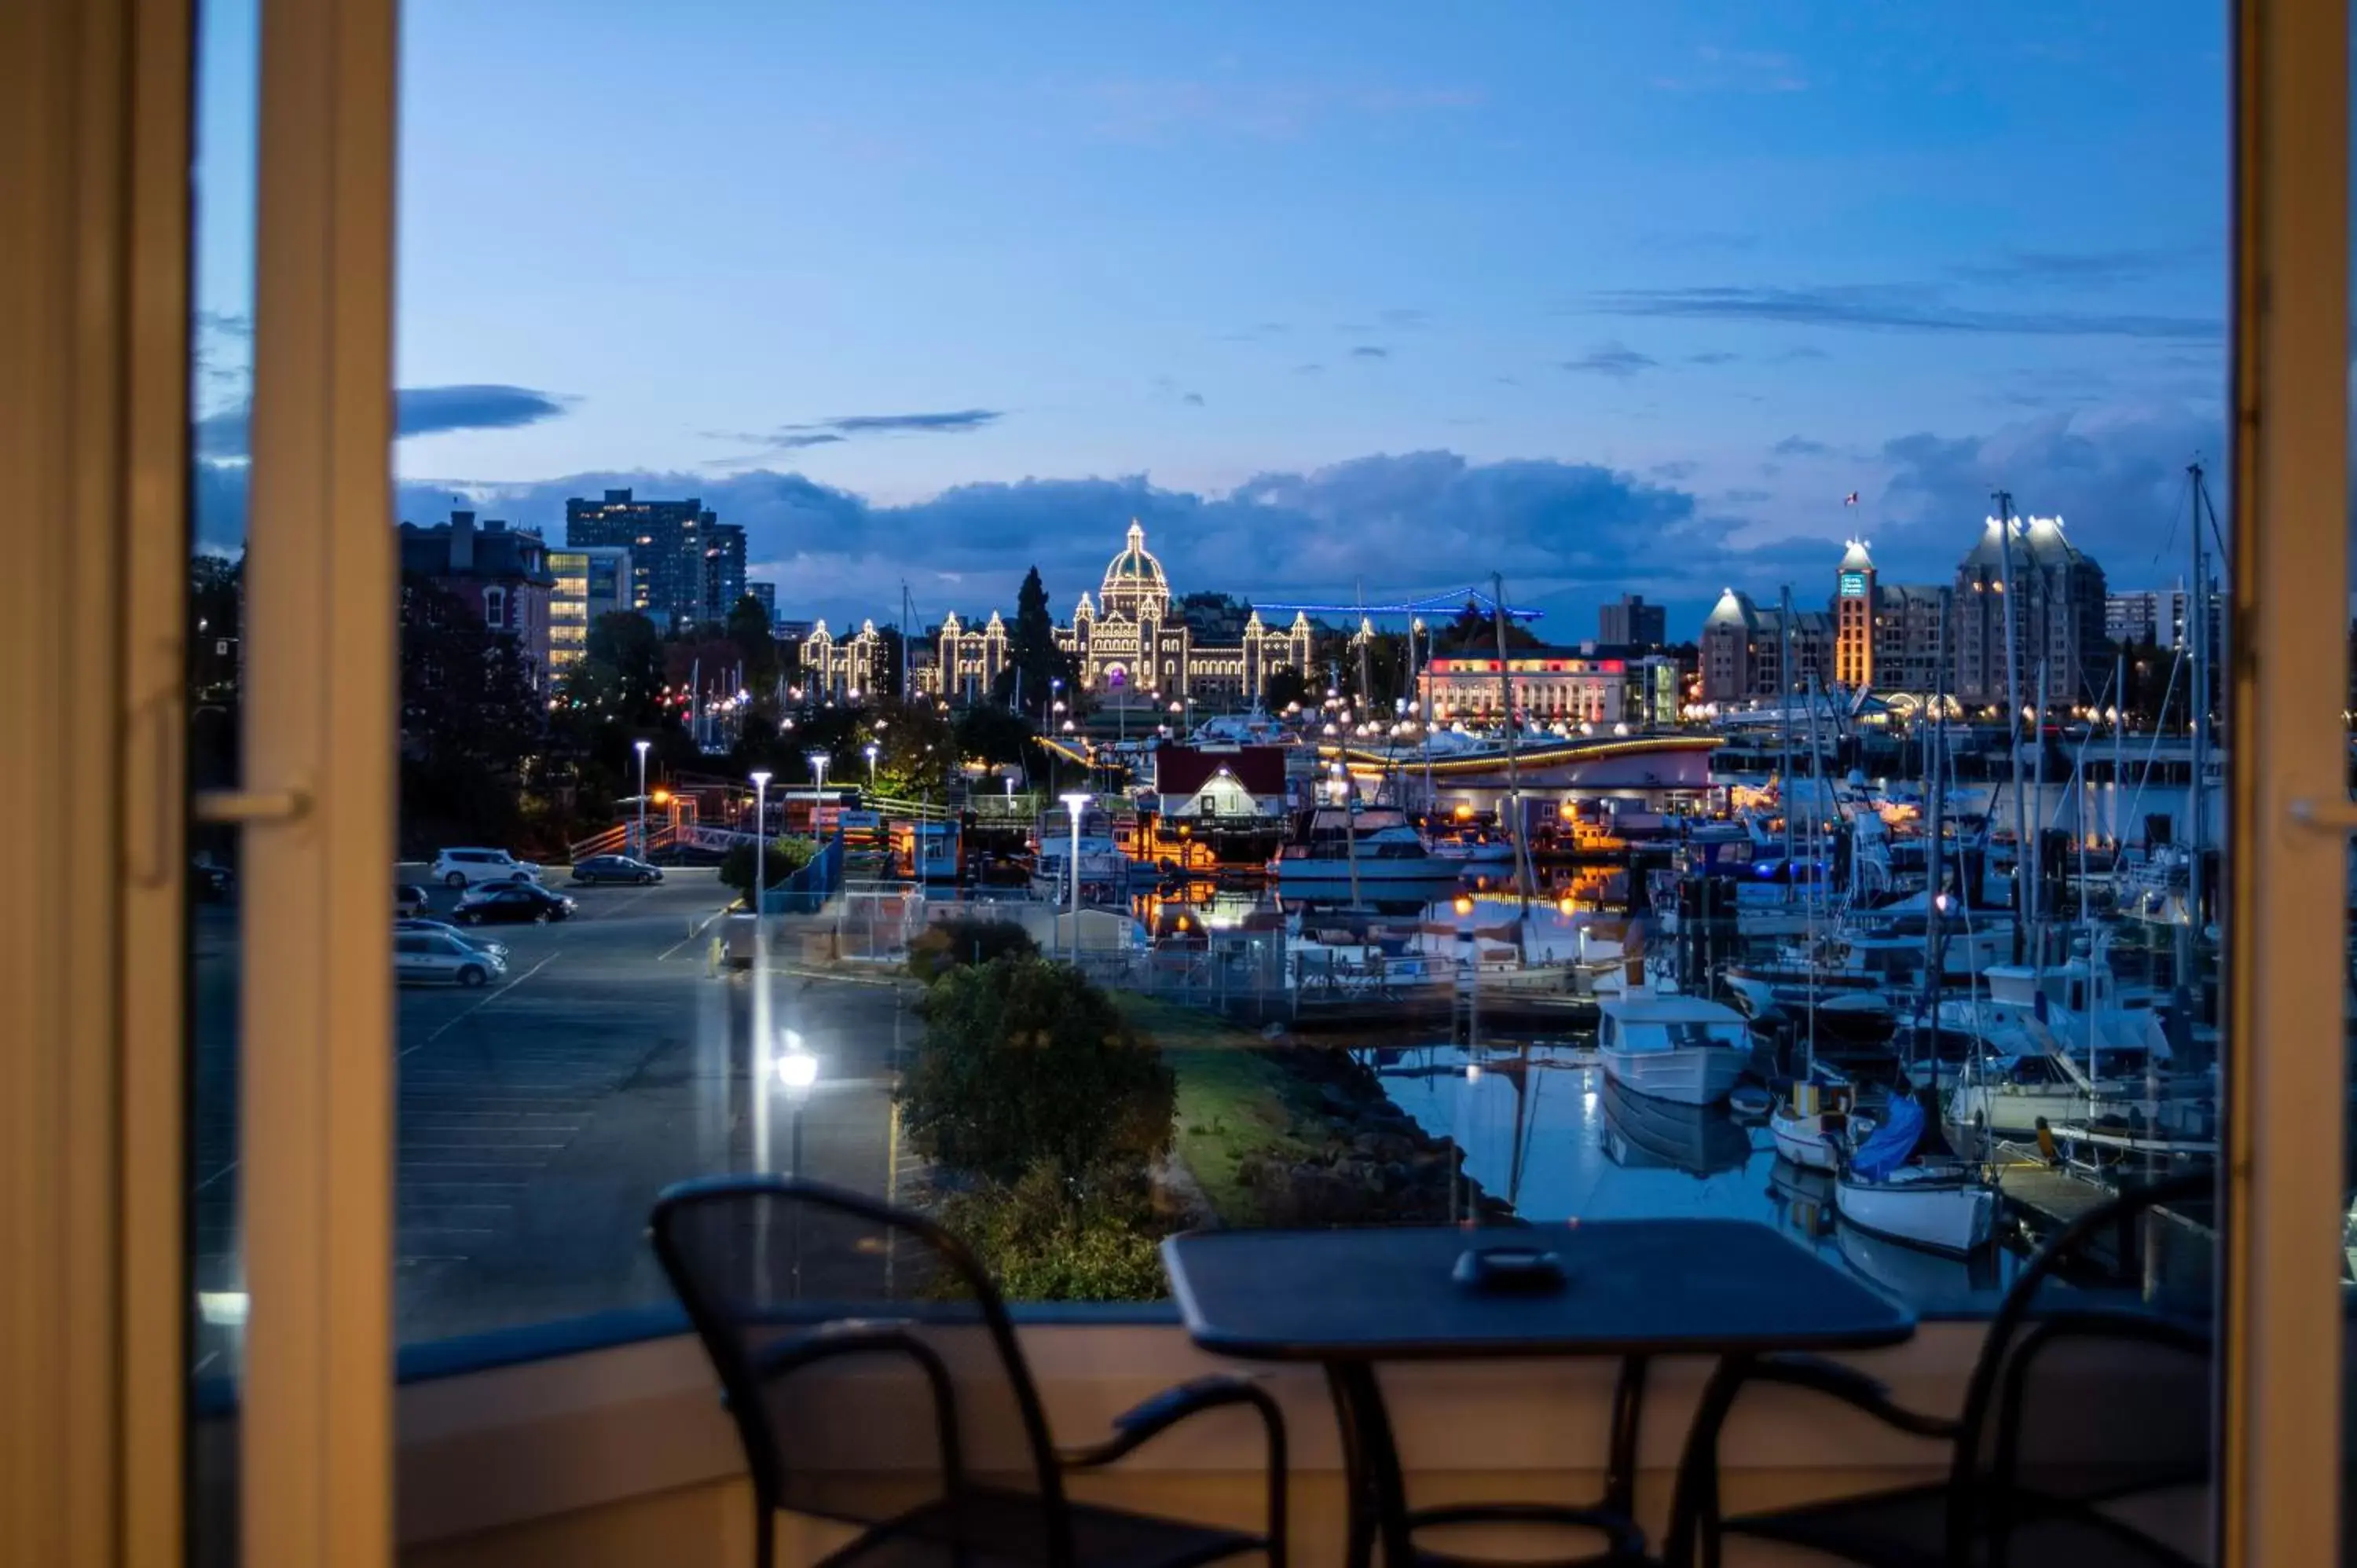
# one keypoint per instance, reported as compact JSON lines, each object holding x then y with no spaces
{"x":760,"y":843}
{"x":818,"y":760}
{"x":869,"y":751}
{"x":643,"y":798}
{"x":1076,"y":802}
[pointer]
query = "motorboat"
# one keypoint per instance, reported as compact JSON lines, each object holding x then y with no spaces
{"x":1885,"y":1187}
{"x":1473,"y":848}
{"x":1640,"y":1129}
{"x":1684,"y":1049}
{"x":1371,"y":849}
{"x":1104,"y":869}
{"x":2060,"y":1044}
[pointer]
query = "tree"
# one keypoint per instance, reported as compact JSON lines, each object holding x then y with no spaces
{"x":748,"y":629}
{"x":470,"y":716}
{"x":992,"y":735}
{"x":1025,"y":1062}
{"x":786,"y":856}
{"x":968,"y":940}
{"x":1475,"y":629}
{"x":1031,"y":651}
{"x":627,"y":654}
{"x":1283,"y":689}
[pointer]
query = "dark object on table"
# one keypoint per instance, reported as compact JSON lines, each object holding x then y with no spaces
{"x":779,"y":1275}
{"x":1351,"y":1299}
{"x":1524,"y":1271}
{"x":2035,"y":1457}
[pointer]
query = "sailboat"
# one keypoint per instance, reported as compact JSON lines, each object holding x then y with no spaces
{"x":1816,"y":1120}
{"x":1883,"y":1187}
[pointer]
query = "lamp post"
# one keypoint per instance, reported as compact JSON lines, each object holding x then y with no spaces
{"x":643,"y":798}
{"x":869,"y":752}
{"x":817,"y":760}
{"x":760,"y":841}
{"x":1076,"y":802}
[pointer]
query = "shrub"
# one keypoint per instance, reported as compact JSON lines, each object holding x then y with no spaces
{"x":1024,"y":1062}
{"x":786,"y":856}
{"x":946,"y":944}
{"x":1048,"y":1237}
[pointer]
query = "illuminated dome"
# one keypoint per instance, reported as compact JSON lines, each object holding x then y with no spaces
{"x":1134,"y":581}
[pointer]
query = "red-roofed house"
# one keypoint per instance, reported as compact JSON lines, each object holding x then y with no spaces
{"x":1221,"y":781}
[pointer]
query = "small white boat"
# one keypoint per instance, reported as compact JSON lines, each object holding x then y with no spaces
{"x":1474,"y":848}
{"x":1816,"y":1124}
{"x":1371,"y":849}
{"x":1942,"y":1205}
{"x":1680,"y":1049}
{"x":1945,"y":1208}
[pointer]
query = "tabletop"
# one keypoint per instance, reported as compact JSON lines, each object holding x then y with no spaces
{"x":1631,"y":1287}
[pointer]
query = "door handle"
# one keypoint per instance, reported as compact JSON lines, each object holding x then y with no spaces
{"x":2325,"y":816}
{"x":249,"y":806}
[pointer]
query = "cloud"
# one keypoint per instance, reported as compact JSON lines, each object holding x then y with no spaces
{"x":1795,"y":354}
{"x":2079,"y":268}
{"x":1801,"y":446}
{"x":1613,"y":359}
{"x":417,"y":411}
{"x":952,"y":423}
{"x":1745,"y":498}
{"x":1167,"y":390}
{"x":1312,"y":368}
{"x":1371,"y":352}
{"x":1892,"y":308}
{"x":1715,"y":357}
{"x":1678,"y":468}
{"x":1404,"y":318}
{"x":1196,"y":399}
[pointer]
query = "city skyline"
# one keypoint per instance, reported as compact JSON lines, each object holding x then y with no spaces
{"x":1607,"y":303}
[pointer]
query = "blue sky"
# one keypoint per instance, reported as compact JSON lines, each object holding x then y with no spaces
{"x":1600,"y":296}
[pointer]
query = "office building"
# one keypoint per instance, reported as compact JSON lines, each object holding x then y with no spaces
{"x":666,"y":541}
{"x":499,"y":573}
{"x":2058,"y":619}
{"x":2157,"y":616}
{"x":1589,"y":683}
{"x":588,"y":584}
{"x":1631,"y":622}
{"x":766,"y":593}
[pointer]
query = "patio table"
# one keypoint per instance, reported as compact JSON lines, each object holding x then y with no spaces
{"x":1351,"y":1299}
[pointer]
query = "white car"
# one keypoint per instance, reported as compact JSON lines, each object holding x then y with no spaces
{"x":435,"y":956}
{"x":465,"y":867}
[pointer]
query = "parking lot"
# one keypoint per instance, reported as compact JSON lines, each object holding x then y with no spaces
{"x":540,"y":1115}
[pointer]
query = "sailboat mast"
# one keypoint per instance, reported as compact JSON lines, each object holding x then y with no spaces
{"x":2197,"y":626}
{"x":1784,"y":717}
{"x":1936,"y":747}
{"x":1522,"y":878}
{"x":2013,"y":721}
{"x":2038,"y":739}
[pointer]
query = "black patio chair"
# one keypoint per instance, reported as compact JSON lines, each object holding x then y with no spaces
{"x":2039,"y":1475}
{"x":782,"y":1276}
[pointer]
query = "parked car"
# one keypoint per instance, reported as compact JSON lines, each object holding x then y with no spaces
{"x":443,"y":928}
{"x":434,"y":956}
{"x":511,"y":902}
{"x":615,"y":868}
{"x":465,"y":867}
{"x":408,"y":901}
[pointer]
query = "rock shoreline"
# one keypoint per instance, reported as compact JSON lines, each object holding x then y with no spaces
{"x":1370,"y":1164}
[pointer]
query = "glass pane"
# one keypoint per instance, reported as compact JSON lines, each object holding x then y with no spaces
{"x":221,"y":383}
{"x":1702,"y":576}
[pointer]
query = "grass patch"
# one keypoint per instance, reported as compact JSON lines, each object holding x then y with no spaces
{"x":1232,"y":1101}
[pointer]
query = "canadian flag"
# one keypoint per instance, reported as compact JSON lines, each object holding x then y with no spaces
{"x":1850,"y":499}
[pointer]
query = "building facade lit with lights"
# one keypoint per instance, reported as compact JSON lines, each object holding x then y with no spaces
{"x":1886,"y":635}
{"x":843,"y":668}
{"x":589,"y":583}
{"x":1130,"y":644}
{"x":1742,"y":651}
{"x":2057,"y":616}
{"x":1588,"y":684}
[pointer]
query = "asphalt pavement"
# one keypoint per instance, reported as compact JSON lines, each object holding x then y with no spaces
{"x":538,"y":1117}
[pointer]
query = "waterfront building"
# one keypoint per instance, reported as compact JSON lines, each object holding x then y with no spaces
{"x":1886,"y":635}
{"x":2057,"y":616}
{"x":1129,"y":642}
{"x":498,"y":572}
{"x":844,"y":668}
{"x":2158,"y":616}
{"x":1742,"y":651}
{"x":1587,"y":683}
{"x":584,"y":584}
{"x":1631,"y":622}
{"x":666,"y":541}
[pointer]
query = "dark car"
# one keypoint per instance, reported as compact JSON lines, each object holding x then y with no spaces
{"x":512,"y":902}
{"x":408,"y":901}
{"x":616,"y":868}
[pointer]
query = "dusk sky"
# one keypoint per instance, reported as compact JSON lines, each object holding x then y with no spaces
{"x":1605,"y":297}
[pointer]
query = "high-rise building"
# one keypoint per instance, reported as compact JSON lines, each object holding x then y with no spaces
{"x":724,"y":569}
{"x":1743,"y":650}
{"x":768,"y":594}
{"x":1631,"y":622}
{"x":501,"y":573}
{"x":589,"y":583}
{"x":1886,"y":635}
{"x":666,"y":541}
{"x":2058,"y":617}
